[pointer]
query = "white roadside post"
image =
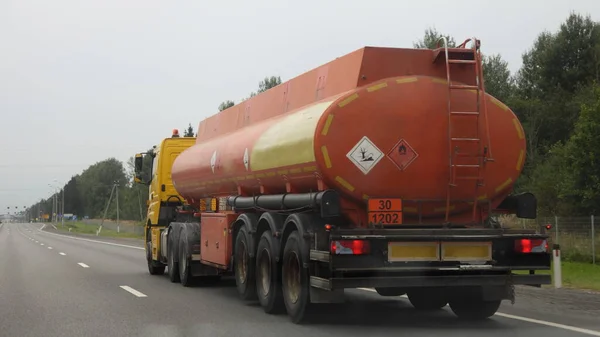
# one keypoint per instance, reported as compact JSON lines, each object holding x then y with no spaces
{"x":556,"y":266}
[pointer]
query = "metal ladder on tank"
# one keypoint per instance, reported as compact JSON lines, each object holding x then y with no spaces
{"x":461,"y":55}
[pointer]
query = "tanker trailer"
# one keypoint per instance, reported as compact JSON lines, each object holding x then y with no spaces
{"x":378,"y":169}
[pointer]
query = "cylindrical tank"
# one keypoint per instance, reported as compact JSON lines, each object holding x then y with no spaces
{"x":387,"y":139}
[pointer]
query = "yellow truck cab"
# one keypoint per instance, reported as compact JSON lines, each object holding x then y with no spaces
{"x":163,"y":201}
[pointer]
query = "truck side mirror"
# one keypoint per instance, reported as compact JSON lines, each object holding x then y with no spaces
{"x":139,"y":161}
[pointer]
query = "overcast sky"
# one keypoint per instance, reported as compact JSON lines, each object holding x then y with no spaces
{"x":81,"y":81}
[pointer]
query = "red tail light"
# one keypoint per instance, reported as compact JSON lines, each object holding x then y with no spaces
{"x":352,"y":247}
{"x":531,"y":246}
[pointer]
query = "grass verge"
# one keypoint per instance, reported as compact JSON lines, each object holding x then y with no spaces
{"x":83,"y":228}
{"x":577,"y":275}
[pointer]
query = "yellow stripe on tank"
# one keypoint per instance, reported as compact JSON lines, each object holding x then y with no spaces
{"x":520,"y":160}
{"x":406,"y":80}
{"x":518,"y":127}
{"x":347,"y":100}
{"x":327,"y":125}
{"x":377,"y":87}
{"x":289,"y":141}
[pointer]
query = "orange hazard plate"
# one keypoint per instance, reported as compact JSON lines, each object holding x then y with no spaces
{"x":385,"y":211}
{"x":385,"y":218}
{"x":385,"y":205}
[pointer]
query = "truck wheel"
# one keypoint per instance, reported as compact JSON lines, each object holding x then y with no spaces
{"x":268,"y":285}
{"x":172,"y":266}
{"x":185,"y":275}
{"x":474,"y":308}
{"x":390,"y":291}
{"x":427,"y":299}
{"x":294,"y":279}
{"x":244,"y":266}
{"x":153,"y":267}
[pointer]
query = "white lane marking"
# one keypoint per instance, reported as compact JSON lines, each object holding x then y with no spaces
{"x":41,"y":244}
{"x":63,"y":254}
{"x":531,"y":320}
{"x":83,"y":265}
{"x":54,"y":227}
{"x":36,"y":241}
{"x":95,"y":241}
{"x":133,"y":291}
{"x":554,"y":325}
{"x":49,"y":247}
{"x":43,"y":227}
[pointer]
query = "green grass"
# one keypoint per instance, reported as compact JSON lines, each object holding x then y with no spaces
{"x":577,"y":275}
{"x":83,"y":228}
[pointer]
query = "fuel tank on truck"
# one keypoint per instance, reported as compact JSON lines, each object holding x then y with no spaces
{"x":386,"y":138}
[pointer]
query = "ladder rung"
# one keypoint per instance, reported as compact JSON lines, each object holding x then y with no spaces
{"x":467,"y":178}
{"x":466,"y":165}
{"x":462,"y":61}
{"x":465,"y":139}
{"x":464,"y":87}
{"x":468,"y":155}
{"x":465,"y":113}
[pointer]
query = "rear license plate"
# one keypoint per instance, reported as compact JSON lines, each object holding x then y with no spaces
{"x":466,"y":251}
{"x":413,"y":251}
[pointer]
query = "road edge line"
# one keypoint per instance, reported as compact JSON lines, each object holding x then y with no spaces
{"x":96,"y":241}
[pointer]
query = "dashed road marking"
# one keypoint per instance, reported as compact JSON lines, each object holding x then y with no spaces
{"x":41,"y":244}
{"x":61,"y":253}
{"x":49,"y":247}
{"x":133,"y":291}
{"x":83,"y":265}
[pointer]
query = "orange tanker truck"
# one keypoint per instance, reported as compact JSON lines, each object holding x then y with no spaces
{"x":383,"y":168}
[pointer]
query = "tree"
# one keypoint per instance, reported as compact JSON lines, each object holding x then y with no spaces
{"x":266,"y":84}
{"x":189,"y":132}
{"x":431,"y":38}
{"x":226,"y":105}
{"x":498,"y":81}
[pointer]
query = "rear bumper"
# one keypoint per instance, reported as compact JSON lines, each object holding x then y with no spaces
{"x":429,"y":258}
{"x":428,"y":281}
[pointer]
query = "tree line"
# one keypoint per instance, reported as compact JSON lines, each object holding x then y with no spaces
{"x":88,"y":193}
{"x":555,"y":94}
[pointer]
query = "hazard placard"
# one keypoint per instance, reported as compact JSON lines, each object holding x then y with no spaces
{"x":402,"y":154}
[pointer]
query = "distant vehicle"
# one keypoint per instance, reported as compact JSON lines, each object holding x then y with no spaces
{"x":379,"y":169}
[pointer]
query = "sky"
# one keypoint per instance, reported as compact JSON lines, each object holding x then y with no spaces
{"x":82,"y":81}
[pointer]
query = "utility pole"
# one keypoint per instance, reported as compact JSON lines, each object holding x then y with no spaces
{"x":63,"y":208}
{"x":117,"y":190}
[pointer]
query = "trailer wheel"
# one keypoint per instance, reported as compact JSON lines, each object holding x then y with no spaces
{"x":244,"y":266}
{"x":427,"y":299}
{"x":172,"y":266}
{"x":153,"y":267}
{"x":185,"y":275}
{"x":390,"y":291}
{"x":294,"y":279}
{"x":268,"y":273}
{"x":474,"y":308}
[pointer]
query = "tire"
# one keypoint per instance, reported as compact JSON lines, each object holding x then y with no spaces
{"x":294,"y":279}
{"x":185,"y":273}
{"x":427,"y":299}
{"x":474,"y":308}
{"x":154,"y":268}
{"x":172,"y":266}
{"x":390,"y":291}
{"x":244,"y":268}
{"x":268,"y":273}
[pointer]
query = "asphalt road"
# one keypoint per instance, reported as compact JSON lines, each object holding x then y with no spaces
{"x":52,"y":285}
